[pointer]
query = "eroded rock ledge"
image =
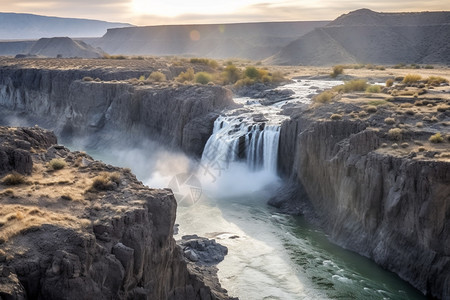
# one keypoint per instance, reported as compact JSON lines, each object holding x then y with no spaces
{"x":86,"y":230}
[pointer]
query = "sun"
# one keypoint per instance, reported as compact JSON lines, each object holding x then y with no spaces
{"x":173,"y":8}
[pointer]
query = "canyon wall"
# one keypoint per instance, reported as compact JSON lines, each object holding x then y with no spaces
{"x":394,"y":210}
{"x":113,"y":111}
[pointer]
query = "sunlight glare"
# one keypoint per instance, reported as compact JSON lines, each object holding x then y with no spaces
{"x":172,"y":8}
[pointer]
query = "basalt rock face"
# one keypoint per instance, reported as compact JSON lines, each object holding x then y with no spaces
{"x":112,"y":111}
{"x":392,"y":209}
{"x":15,"y":145}
{"x":91,"y":243}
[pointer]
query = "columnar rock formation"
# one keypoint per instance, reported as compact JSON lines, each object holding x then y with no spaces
{"x":391,"y":208}
{"x":181,"y":117}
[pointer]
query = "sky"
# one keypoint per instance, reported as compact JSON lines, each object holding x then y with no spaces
{"x":157,"y":12}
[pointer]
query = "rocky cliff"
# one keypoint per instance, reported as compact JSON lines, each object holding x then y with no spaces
{"x":365,"y":36}
{"x":245,"y":40}
{"x":86,"y":230}
{"x":111,"y":109}
{"x":389,"y":204}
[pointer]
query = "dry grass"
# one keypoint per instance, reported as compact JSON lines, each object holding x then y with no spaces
{"x":436,"y":138}
{"x":336,"y":117}
{"x":57,"y":164}
{"x":157,"y":77}
{"x":14,"y":179}
{"x":436,"y":80}
{"x":357,"y":85}
{"x":324,"y":97}
{"x":373,"y":89}
{"x":389,"y":121}
{"x":362,"y":114}
{"x":412,"y":78}
{"x":371,"y":109}
{"x":105,"y":181}
{"x":15,"y":219}
{"x":395,"y":134}
{"x":389,"y":82}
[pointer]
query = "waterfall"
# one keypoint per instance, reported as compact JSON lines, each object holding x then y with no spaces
{"x":236,"y":138}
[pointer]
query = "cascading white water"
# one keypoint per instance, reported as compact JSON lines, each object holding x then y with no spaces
{"x":251,"y":133}
{"x":241,"y":139}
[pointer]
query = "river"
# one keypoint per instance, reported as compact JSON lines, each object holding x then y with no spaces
{"x":224,"y":195}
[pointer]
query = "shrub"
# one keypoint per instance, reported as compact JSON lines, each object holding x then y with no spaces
{"x":410,"y":112}
{"x":436,"y":80}
{"x":231,"y":74}
{"x":105,"y":181}
{"x":203,"y":77}
{"x":324,"y":97}
{"x":394,"y":146}
{"x":404,"y":145}
{"x":337,"y":70}
{"x":141,"y":78}
{"x":251,"y":72}
{"x":373,"y":89}
{"x":411,"y":78}
{"x":395,"y":134}
{"x":389,"y":82}
{"x":419,"y":124}
{"x":205,"y":61}
{"x":186,"y":76}
{"x":13,"y":179}
{"x":421,"y":149}
{"x":157,"y":76}
{"x":389,"y":121}
{"x":57,"y":164}
{"x":88,"y":78}
{"x":436,"y":138}
{"x":336,"y":117}
{"x":352,"y":86}
{"x":428,"y":67}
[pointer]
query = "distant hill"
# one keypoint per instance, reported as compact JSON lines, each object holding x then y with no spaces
{"x":365,"y":36}
{"x":64,"y":47}
{"x":247,"y":40}
{"x":28,"y":26}
{"x":50,"y":47}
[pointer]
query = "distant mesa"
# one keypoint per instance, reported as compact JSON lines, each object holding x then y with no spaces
{"x":246,"y":40}
{"x":29,"y":26}
{"x":370,"y":37}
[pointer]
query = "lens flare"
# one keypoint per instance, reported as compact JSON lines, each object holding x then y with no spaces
{"x":194,"y":35}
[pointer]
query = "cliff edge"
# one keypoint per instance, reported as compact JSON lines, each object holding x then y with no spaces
{"x":75,"y":228}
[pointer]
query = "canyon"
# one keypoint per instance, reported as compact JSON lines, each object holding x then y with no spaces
{"x":388,"y":206}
